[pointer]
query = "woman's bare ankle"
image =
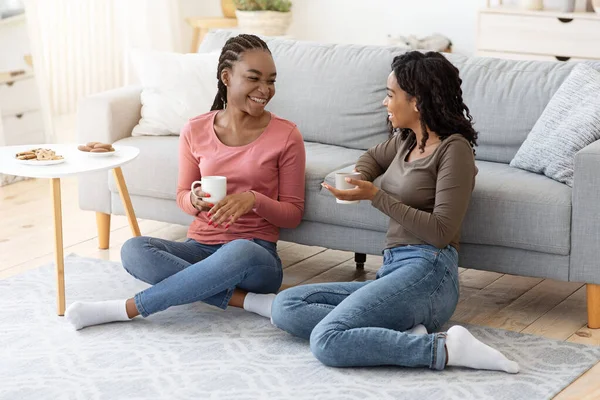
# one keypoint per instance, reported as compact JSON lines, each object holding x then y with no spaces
{"x":131,"y":309}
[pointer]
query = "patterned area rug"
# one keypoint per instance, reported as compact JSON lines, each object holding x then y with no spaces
{"x":197,"y":352}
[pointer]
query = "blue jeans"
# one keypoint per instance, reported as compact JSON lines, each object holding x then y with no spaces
{"x":363,"y":323}
{"x":186,"y":272}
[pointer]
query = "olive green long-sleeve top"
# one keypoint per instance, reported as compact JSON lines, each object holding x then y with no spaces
{"x":426,"y":199}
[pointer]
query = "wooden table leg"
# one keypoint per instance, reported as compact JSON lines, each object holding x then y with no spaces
{"x":124,"y":193}
{"x":58,"y":246}
{"x":201,"y":35}
{"x":593,"y":305}
{"x":195,"y":40}
{"x":103,"y":226}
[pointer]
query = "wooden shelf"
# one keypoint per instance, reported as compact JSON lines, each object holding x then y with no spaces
{"x":5,"y":76}
{"x":15,"y":19}
{"x":512,"y":10}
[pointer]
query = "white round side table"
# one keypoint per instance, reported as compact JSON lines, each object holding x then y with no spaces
{"x":76,"y":163}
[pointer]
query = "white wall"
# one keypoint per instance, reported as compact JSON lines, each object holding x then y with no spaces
{"x":370,"y":21}
{"x":196,"y":8}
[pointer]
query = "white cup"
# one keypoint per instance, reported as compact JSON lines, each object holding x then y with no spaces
{"x":216,"y":186}
{"x":341,"y":184}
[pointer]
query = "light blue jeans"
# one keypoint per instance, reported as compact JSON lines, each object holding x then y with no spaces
{"x":186,"y":272}
{"x":363,"y":323}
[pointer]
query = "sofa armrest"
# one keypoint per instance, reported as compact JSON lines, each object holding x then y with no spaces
{"x":585,"y":223}
{"x":109,"y":116}
{"x":105,"y":117}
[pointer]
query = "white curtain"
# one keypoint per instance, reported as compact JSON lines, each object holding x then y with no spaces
{"x":82,"y":46}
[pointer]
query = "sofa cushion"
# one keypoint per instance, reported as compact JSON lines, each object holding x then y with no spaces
{"x":322,"y":159}
{"x":351,"y":115}
{"x":332,"y":92}
{"x":322,"y":207}
{"x":154,"y":172}
{"x":175,"y":88}
{"x":515,"y":208}
{"x":497,"y":91}
{"x":509,"y":207}
{"x":570,"y":122}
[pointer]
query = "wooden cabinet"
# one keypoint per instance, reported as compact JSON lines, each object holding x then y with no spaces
{"x":24,"y":117}
{"x":504,"y":32}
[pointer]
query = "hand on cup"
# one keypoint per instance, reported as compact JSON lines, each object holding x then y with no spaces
{"x":350,"y":189}
{"x":212,"y":190}
{"x":341,"y":184}
{"x":197,"y":196}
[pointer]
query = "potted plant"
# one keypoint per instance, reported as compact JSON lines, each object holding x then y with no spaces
{"x":264,"y":17}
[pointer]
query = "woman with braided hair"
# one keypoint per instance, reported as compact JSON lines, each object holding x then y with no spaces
{"x":428,"y":173}
{"x":230,"y":255}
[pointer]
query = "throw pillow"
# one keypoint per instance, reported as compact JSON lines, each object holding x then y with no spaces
{"x":175,"y":88}
{"x":570,"y":121}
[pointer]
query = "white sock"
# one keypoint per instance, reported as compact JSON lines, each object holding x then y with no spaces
{"x":417,"y":330}
{"x":82,"y":314}
{"x":259,"y":303}
{"x":466,"y":351}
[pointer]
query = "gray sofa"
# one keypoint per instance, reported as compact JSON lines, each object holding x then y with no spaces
{"x":518,"y":222}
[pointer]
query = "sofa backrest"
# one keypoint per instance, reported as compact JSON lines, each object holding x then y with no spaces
{"x":334,"y":93}
{"x":506,"y":98}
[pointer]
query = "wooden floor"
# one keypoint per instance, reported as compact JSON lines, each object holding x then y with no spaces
{"x":530,"y":305}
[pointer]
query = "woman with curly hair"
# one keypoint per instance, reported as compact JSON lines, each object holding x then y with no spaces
{"x":428,"y":173}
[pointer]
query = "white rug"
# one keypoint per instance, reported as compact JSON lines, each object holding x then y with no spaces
{"x":198,"y":352}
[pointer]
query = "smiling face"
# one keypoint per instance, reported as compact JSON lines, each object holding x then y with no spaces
{"x":251,"y":82}
{"x":401,"y":107}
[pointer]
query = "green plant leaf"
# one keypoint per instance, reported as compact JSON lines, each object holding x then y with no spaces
{"x":263,"y":5}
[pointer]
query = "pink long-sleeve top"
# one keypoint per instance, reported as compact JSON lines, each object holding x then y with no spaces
{"x":272,"y":167}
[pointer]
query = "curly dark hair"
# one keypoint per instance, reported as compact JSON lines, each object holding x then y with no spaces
{"x":435,"y":83}
{"x":232,"y":52}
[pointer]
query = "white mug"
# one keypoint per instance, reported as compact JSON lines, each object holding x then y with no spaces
{"x":216,"y":186}
{"x":341,"y":184}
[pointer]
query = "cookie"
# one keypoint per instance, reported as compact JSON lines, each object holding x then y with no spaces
{"x":102,"y":146}
{"x":91,"y":146}
{"x":38,"y":155}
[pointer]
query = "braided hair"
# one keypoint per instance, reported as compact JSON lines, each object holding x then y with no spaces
{"x":232,"y":52}
{"x":435,"y":83}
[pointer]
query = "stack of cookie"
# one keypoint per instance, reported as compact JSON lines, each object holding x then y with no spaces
{"x":96,"y":147}
{"x":38,"y":154}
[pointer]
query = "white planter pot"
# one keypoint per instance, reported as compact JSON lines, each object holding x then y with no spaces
{"x":534,"y":5}
{"x":267,"y":23}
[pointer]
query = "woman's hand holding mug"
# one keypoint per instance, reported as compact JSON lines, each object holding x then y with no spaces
{"x":231,"y":208}
{"x":208,"y":191}
{"x":197,"y":195}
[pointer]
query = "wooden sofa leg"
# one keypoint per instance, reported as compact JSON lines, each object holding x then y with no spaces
{"x":360,"y":259}
{"x":103,"y":225}
{"x":593,"y":305}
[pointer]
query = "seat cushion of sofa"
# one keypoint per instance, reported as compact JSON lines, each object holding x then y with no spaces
{"x":509,"y":207}
{"x":322,"y":207}
{"x":515,"y":208}
{"x":322,"y":159}
{"x":154,"y":172}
